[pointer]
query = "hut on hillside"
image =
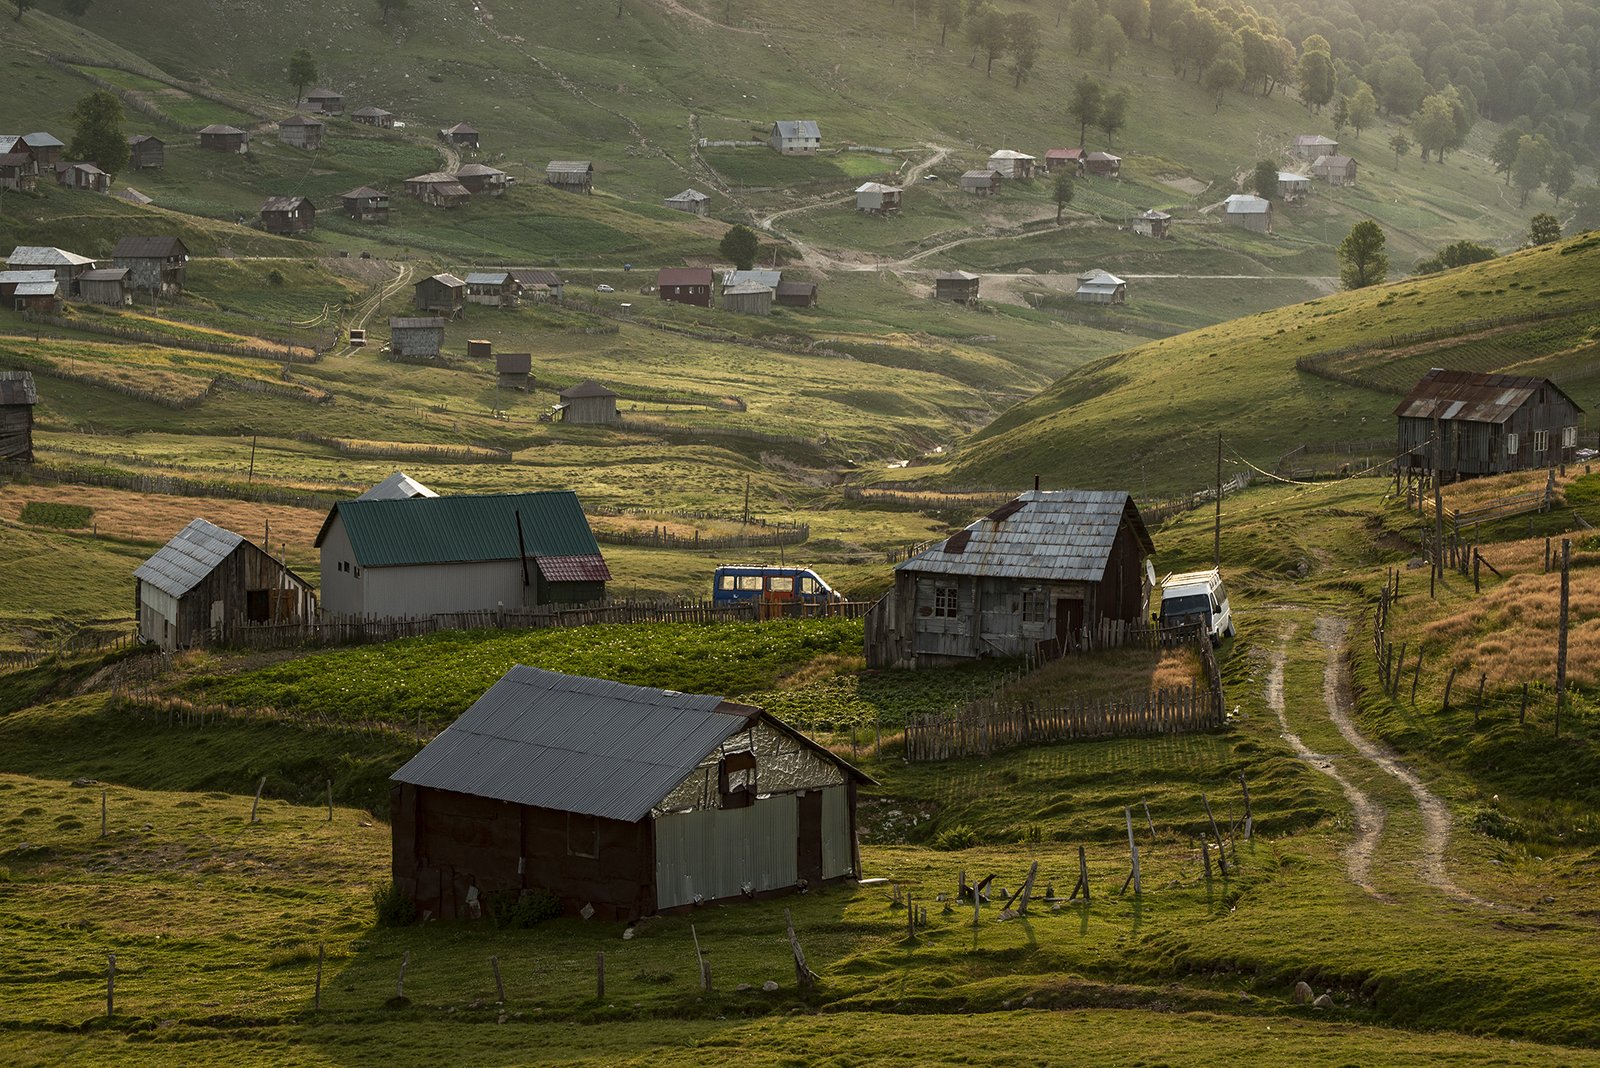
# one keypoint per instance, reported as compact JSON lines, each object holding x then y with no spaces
{"x":1248,"y":211}
{"x":875,"y":198}
{"x":571,"y":175}
{"x":66,"y":266}
{"x":513,"y":370}
{"x":460,"y":135}
{"x":1487,"y":424}
{"x":480,"y":178}
{"x":981,"y":183}
{"x":17,"y":398}
{"x":1011,"y":164}
{"x":30,"y":290}
{"x":18,"y":172}
{"x":588,"y":402}
{"x":1153,"y":223}
{"x":1101,"y":287}
{"x":46,"y":149}
{"x":958,"y":286}
{"x":795,"y":137}
{"x":106,"y":285}
{"x":443,"y":293}
{"x":690,"y":200}
{"x":146,"y":152}
{"x":288,"y":215}
{"x":416,"y":337}
{"x":795,"y":294}
{"x":685,"y":285}
{"x":85,"y":176}
{"x":496,"y":289}
{"x":157,"y":265}
{"x":438,"y":189}
{"x":1292,"y":186}
{"x":748,"y":299}
{"x":1310,"y":146}
{"x":371,"y":116}
{"x":1102,"y":165}
{"x":1335,"y":169}
{"x":1064,"y":159}
{"x":300,"y":131}
{"x":325,"y":102}
{"x":537,"y":283}
{"x":222,"y":138}
{"x":366,"y":204}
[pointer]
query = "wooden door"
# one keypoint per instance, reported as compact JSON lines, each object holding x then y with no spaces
{"x":1069,"y":622}
{"x":808,"y":864}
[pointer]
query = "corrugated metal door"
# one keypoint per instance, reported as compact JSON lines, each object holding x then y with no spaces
{"x":714,"y":852}
{"x":837,"y":846}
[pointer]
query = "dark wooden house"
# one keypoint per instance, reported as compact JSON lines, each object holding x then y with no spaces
{"x":1038,"y":573}
{"x":47,"y":149}
{"x":370,"y":116}
{"x":480,"y":178}
{"x":439,"y":189}
{"x":572,"y":175}
{"x":366,"y":204}
{"x":325,"y":102}
{"x":301,"y":131}
{"x":146,"y":151}
{"x":18,"y":172}
{"x":685,"y":285}
{"x":621,"y":801}
{"x":1487,"y":424}
{"x":17,"y":398}
{"x":461,"y":135}
{"x":36,"y":290}
{"x":958,"y":286}
{"x":288,"y":215}
{"x":155,"y":264}
{"x":1335,"y":169}
{"x":416,"y":337}
{"x":588,"y":402}
{"x":982,"y":182}
{"x":495,"y":289}
{"x":1103,"y":165}
{"x":512,"y":370}
{"x":221,"y":138}
{"x":796,"y":294}
{"x":106,"y":285}
{"x":690,"y":200}
{"x":1310,"y":146}
{"x":1069,"y":160}
{"x":443,"y":293}
{"x":747,"y":298}
{"x":67,"y":266}
{"x":537,"y":283}
{"x":207,"y":580}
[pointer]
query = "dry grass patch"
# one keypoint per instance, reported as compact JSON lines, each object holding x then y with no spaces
{"x":154,"y":517}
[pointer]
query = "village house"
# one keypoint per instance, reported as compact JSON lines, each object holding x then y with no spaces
{"x":513,"y":370}
{"x":747,"y":299}
{"x":690,"y":200}
{"x":105,"y":285}
{"x":496,"y":289}
{"x":18,"y":172}
{"x":619,"y":801}
{"x":207,"y":580}
{"x":571,"y":175}
{"x":461,"y":135}
{"x":443,"y":293}
{"x":479,"y":178}
{"x":325,"y":102}
{"x":30,"y":290}
{"x":1335,"y":170}
{"x":588,"y":402}
{"x":796,"y":294}
{"x":66,"y":265}
{"x":1009,"y":164}
{"x":366,"y":204}
{"x":45,"y":148}
{"x":17,"y":398}
{"x":958,"y":286}
{"x":85,"y":176}
{"x":1487,"y":424}
{"x":795,"y":137}
{"x":1292,"y":186}
{"x":465,"y":553}
{"x":685,"y":285}
{"x":1101,"y":287}
{"x":221,"y":138}
{"x":371,"y":116}
{"x":757,"y":277}
{"x":981,"y":183}
{"x":146,"y":151}
{"x":1102,"y":165}
{"x":397,"y":487}
{"x":288,"y":215}
{"x":155,"y":264}
{"x":416,"y":337}
{"x":1249,"y":211}
{"x":300,"y":131}
{"x":1039,"y":573}
{"x":438,"y":189}
{"x":1310,"y":146}
{"x":1064,"y":159}
{"x":1153,"y":223}
{"x":538,"y":283}
{"x":875,"y":198}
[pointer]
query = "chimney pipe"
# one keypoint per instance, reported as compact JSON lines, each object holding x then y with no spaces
{"x":1036,"y":483}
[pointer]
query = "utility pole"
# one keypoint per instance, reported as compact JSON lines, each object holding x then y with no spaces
{"x":1216,"y":530}
{"x":1561,"y":639}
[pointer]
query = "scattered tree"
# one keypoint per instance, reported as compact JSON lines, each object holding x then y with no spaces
{"x":23,"y":5}
{"x":1264,"y":179}
{"x":1316,"y":79}
{"x":1544,"y":229}
{"x":1401,"y":145}
{"x":1401,"y":85}
{"x":1062,"y":193}
{"x":1362,"y":261}
{"x":1133,"y":15}
{"x":1110,"y":42}
{"x":1113,"y":114}
{"x":1081,"y":17}
{"x":949,"y":18}
{"x":302,"y":72}
{"x":1504,"y":153}
{"x":1083,"y":105}
{"x":1222,"y":75}
{"x":1561,"y":175}
{"x":1586,"y":209}
{"x":1533,"y":161}
{"x":1457,"y":254}
{"x":399,"y":7}
{"x":987,"y":32}
{"x":1434,"y":127}
{"x":739,"y":245}
{"x":1022,"y":41}
{"x":97,"y":131}
{"x":1363,"y":108}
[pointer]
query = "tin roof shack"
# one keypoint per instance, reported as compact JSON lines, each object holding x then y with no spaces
{"x":537,"y":283}
{"x":512,"y":370}
{"x":757,"y":277}
{"x":623,"y":799}
{"x":690,"y":200}
{"x":795,"y":137}
{"x":17,"y":398}
{"x":366,"y":204}
{"x":748,"y":299}
{"x":442,"y":293}
{"x":461,"y":135}
{"x":397,"y":487}
{"x":220,"y":138}
{"x":299,"y":131}
{"x":497,"y":289}
{"x":45,"y":148}
{"x":797,"y":294}
{"x":1103,"y":164}
{"x":1249,"y":211}
{"x":572,"y":175}
{"x":206,"y":580}
{"x":479,"y":178}
{"x":155,"y":264}
{"x":1488,"y":424}
{"x":30,"y":290}
{"x":958,"y":286}
{"x":1153,"y":223}
{"x":1310,"y":146}
{"x":980,"y":183}
{"x":1292,"y":186}
{"x":1101,"y":287}
{"x":1335,"y":169}
{"x":325,"y":101}
{"x":416,"y":337}
{"x":588,"y":402}
{"x":875,"y":198}
{"x":439,"y":189}
{"x":685,"y":285}
{"x":472,"y":553}
{"x":67,"y":266}
{"x":1036,"y":573}
{"x":18,"y":172}
{"x":371,"y":116}
{"x":106,"y":285}
{"x":1009,"y":164}
{"x":1063,"y":159}
{"x":288,"y":215}
{"x":85,"y":176}
{"x":146,"y":151}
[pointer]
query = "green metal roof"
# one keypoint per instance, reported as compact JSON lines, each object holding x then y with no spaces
{"x":468,"y":529}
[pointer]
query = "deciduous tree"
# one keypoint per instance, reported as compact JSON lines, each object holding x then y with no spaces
{"x":1456,"y":254}
{"x":1401,"y":145}
{"x":1083,"y":105}
{"x":1113,"y":115}
{"x":1504,"y":153}
{"x":1363,"y":108}
{"x":1062,"y":193}
{"x":23,"y":5}
{"x":1533,"y":162}
{"x":302,"y":72}
{"x":1264,"y":179}
{"x":1544,"y":229}
{"x":97,"y":131}
{"x":1316,"y":79}
{"x":949,"y":18}
{"x":1110,"y":43}
{"x":1434,"y":127}
{"x":1562,"y":173}
{"x":1362,"y":260}
{"x":1223,"y":74}
{"x":1081,"y":17}
{"x":739,"y":246}
{"x":1022,"y":41}
{"x":987,"y":32}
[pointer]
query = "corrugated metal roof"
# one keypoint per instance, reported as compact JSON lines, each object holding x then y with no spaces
{"x":1153,"y":215}
{"x":877,"y":187}
{"x":434,"y":176}
{"x":220,"y":128}
{"x":1103,"y":157}
{"x":770,"y":279}
{"x":1100,"y":278}
{"x":38,"y":289}
{"x":1290,"y":176}
{"x":397,"y":487}
{"x":138,"y":248}
{"x":449,"y":281}
{"x":798,"y":129}
{"x":488,"y":278}
{"x":956,"y":276}
{"x":530,"y":276}
{"x":18,"y":277}
{"x":746,"y":289}
{"x":582,"y":568}
{"x":786,"y":288}
{"x":324,"y":94}
{"x":366,"y":192}
{"x":1247,"y":204}
{"x":478,"y":170}
{"x":688,"y":196}
{"x":1471,"y":396}
{"x":984,"y":175}
{"x":1332,"y":161}
{"x":129,"y":193}
{"x":183,"y":563}
{"x":460,"y":128}
{"x":1057,"y":535}
{"x":105,"y":274}
{"x":286,"y":204}
{"x":16,"y":387}
{"x":464,"y":529}
{"x":568,"y":166}
{"x":683,"y":276}
{"x":8,"y":141}
{"x":40,"y":139}
{"x":588,"y":388}
{"x":1006,"y":153}
{"x":40,"y":256}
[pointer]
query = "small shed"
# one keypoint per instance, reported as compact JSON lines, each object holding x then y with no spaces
{"x":461,"y":135}
{"x":85,"y":176}
{"x":146,"y":151}
{"x":301,"y":131}
{"x":588,"y":402}
{"x":571,"y":175}
{"x":690,"y":200}
{"x":416,"y":338}
{"x":1101,"y":287}
{"x":513,"y":370}
{"x":288,"y":215}
{"x":133,"y":196}
{"x":1310,"y":146}
{"x":795,"y":137}
{"x":619,"y":801}
{"x":222,"y":138}
{"x":875,"y":198}
{"x":106,"y":285}
{"x":30,"y":290}
{"x":155,"y":264}
{"x":1153,"y":223}
{"x":66,"y":265}
{"x":371,"y":116}
{"x":439,"y":189}
{"x":17,"y":398}
{"x":480,"y":178}
{"x":1248,"y":211}
{"x":685,"y":285}
{"x":325,"y":102}
{"x":397,"y":487}
{"x":496,"y":289}
{"x":18,"y":172}
{"x":1488,"y":424}
{"x":442,"y":292}
{"x":538,"y":283}
{"x":208,"y":579}
{"x":1335,"y":169}
{"x":366,"y":204}
{"x":1103,"y":165}
{"x":981,"y":183}
{"x":1064,"y":159}
{"x":748,"y":299}
{"x":1292,"y":186}
{"x":1011,"y":164}
{"x":793,"y":294}
{"x":46,"y":149}
{"x":958,"y":286}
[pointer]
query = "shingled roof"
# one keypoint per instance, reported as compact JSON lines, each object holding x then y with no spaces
{"x":1052,"y":535}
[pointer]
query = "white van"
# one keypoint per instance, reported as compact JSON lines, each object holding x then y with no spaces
{"x":1197,"y":597}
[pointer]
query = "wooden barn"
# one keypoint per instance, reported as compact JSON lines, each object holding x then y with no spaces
{"x":468,"y":553}
{"x":513,"y":370}
{"x":875,"y":198}
{"x":481,"y":178}
{"x":325,"y":102}
{"x":288,"y":215}
{"x":106,"y":285}
{"x":416,"y":337}
{"x":443,"y":293}
{"x":17,"y":398}
{"x":146,"y":151}
{"x":1101,"y":287}
{"x":366,"y":204}
{"x":1037,"y":573}
{"x":221,"y":138}
{"x":748,"y":298}
{"x":571,"y":175}
{"x":1248,"y":211}
{"x":18,"y":172}
{"x":207,"y":579}
{"x":439,"y":189}
{"x":47,"y":149}
{"x":1292,"y":185}
{"x":1335,"y":169}
{"x":1064,"y":159}
{"x":30,"y":290}
{"x":85,"y":176}
{"x":795,"y":137}
{"x":690,"y":200}
{"x":620,"y":801}
{"x":67,"y":266}
{"x":496,"y":289}
{"x":157,"y":265}
{"x":371,"y":116}
{"x":958,"y":286}
{"x":1011,"y":164}
{"x":1487,"y":424}
{"x":1102,"y":165}
{"x":588,"y":402}
{"x":1153,"y":223}
{"x":461,"y":135}
{"x":300,"y":131}
{"x":538,"y":283}
{"x":685,"y":285}
{"x":981,"y":183}
{"x":1310,"y":146}
{"x":792,"y":294}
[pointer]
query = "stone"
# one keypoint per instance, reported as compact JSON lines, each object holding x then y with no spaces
{"x":1303,"y":993}
{"x":1324,"y":1001}
{"x":770,"y":987}
{"x":1027,"y":1003}
{"x":502,"y":1018}
{"x":627,"y":933}
{"x":743,"y":988}
{"x":587,"y":912}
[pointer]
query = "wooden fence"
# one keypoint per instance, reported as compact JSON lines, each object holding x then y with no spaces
{"x":290,"y":352}
{"x":1419,"y":499}
{"x":170,"y":485}
{"x":661,"y":538}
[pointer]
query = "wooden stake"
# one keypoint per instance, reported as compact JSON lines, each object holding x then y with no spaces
{"x":330,"y":800}
{"x":1448,"y":683}
{"x":262,"y":785}
{"x":400,"y":984}
{"x":1205,"y":854}
{"x":1027,"y":888}
{"x":1083,"y":878}
{"x":1150,"y":822}
{"x":316,"y":996}
{"x":1249,"y":821}
{"x":1133,"y":849}
{"x":499,"y":986}
{"x":1222,"y":855}
{"x":103,"y":794}
{"x":599,"y":976}
{"x":111,"y":985}
{"x":699,"y":958}
{"x":802,"y":974}
{"x":1561,"y":640}
{"x":1416,"y":677}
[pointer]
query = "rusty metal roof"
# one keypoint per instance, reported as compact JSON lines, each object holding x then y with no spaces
{"x":589,"y":567}
{"x":1055,"y":535}
{"x":1472,"y":396}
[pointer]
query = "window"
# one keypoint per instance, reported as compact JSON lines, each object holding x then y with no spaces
{"x":750,"y":582}
{"x":810,"y":585}
{"x":1035,"y":608}
{"x":1541,"y":441}
{"x":583,"y":835}
{"x":946,"y":602}
{"x":1512,"y":445}
{"x":1569,"y":437}
{"x":729,"y":582}
{"x":781,"y":584}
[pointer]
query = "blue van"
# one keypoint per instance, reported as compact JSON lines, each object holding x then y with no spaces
{"x":732,"y":584}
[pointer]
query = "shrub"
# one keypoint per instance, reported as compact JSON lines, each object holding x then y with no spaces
{"x":275,"y":277}
{"x":519,"y":911}
{"x":960,"y":836}
{"x":393,"y":906}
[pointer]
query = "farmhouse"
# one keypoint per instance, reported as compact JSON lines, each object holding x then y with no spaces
{"x":1291,"y":185}
{"x":1101,"y":287}
{"x":416,"y":338}
{"x":621,"y":801}
{"x":685,"y":285}
{"x":875,"y":198}
{"x":441,"y":293}
{"x":513,"y":370}
{"x":1335,"y":170}
{"x":17,"y":398}
{"x":66,"y":265}
{"x":288,"y":215}
{"x":539,"y":283}
{"x":1487,"y":424}
{"x":366,"y":204}
{"x":478,"y":178}
{"x":155,"y":264}
{"x":146,"y":151}
{"x":588,"y":402}
{"x":470,"y":553}
{"x":221,"y":138}
{"x":572,"y":175}
{"x":497,"y":289}
{"x":690,"y":200}
{"x":83,"y":176}
{"x":438,"y":189}
{"x":206,"y":579}
{"x":1067,"y":159}
{"x":106,"y":285}
{"x":1040,"y":572}
{"x":748,"y":299}
{"x":1152,"y":223}
{"x":46,"y":149}
{"x":18,"y":172}
{"x":461,"y":135}
{"x":397,"y":487}
{"x":30,"y":290}
{"x":1248,"y":211}
{"x":298,"y":131}
{"x":1009,"y":164}
{"x":797,"y":294}
{"x":371,"y":116}
{"x":795,"y":137}
{"x":770,"y":279}
{"x":981,"y":183}
{"x":325,"y":101}
{"x":1103,"y":164}
{"x":957,"y":286}
{"x":1310,"y":146}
